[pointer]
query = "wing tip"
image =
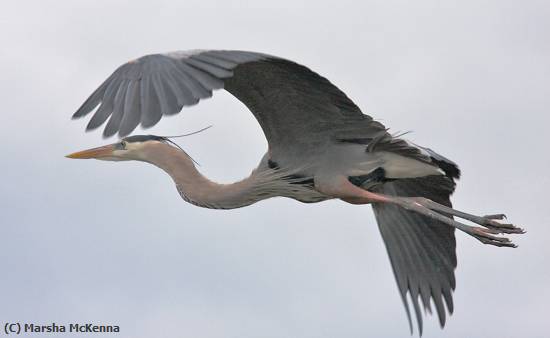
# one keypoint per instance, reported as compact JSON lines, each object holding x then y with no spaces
{"x":78,"y":115}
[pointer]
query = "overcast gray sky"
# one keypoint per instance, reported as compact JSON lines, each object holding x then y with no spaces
{"x":114,"y":243}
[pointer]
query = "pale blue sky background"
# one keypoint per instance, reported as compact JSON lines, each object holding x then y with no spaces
{"x":113,"y":242}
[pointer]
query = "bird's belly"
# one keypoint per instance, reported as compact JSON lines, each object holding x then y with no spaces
{"x":354,"y":160}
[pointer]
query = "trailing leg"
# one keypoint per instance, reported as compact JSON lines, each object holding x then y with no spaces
{"x":343,"y":189}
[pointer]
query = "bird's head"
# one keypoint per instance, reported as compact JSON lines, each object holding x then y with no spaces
{"x":129,"y":148}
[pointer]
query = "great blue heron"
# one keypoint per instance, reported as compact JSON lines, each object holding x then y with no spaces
{"x":321,"y":146}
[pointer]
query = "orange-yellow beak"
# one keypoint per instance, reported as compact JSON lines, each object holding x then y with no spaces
{"x":99,"y":152}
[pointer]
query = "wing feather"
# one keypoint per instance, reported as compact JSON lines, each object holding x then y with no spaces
{"x":132,"y":109}
{"x":216,"y":71}
{"x":179,"y":88}
{"x":421,"y":250}
{"x":118,"y":110}
{"x":94,"y":99}
{"x":216,"y":61}
{"x":106,"y":108}
{"x":196,"y":88}
{"x":165,"y":105}
{"x":150,"y":106}
{"x":207,"y":80}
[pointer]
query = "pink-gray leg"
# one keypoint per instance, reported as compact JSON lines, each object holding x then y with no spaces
{"x":346,"y":191}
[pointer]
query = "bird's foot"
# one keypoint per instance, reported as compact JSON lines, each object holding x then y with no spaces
{"x":490,"y":225}
{"x":492,"y":222}
{"x":485,"y":236}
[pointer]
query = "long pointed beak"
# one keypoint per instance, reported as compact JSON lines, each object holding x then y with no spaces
{"x":99,"y":152}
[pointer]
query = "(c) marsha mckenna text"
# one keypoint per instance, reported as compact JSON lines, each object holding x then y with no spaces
{"x":59,"y":328}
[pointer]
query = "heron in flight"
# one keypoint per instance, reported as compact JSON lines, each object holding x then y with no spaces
{"x":320,"y":146}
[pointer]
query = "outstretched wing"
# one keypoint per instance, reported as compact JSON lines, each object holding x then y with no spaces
{"x":421,"y":249}
{"x":298,"y":110}
{"x":145,"y":89}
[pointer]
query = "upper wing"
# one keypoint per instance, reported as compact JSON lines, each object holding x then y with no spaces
{"x":421,"y":249}
{"x":142,"y":90}
{"x":297,"y":109}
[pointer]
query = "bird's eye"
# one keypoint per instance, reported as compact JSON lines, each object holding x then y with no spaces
{"x":123,"y":144}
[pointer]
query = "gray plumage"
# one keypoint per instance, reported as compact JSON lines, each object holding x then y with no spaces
{"x":421,"y":249}
{"x":321,"y":146}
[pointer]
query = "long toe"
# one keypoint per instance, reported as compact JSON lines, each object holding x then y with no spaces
{"x":491,"y":222}
{"x":485,"y":234}
{"x":485,"y":237}
{"x":503,"y":228}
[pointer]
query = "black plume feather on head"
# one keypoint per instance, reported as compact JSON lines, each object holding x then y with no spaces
{"x":164,"y":139}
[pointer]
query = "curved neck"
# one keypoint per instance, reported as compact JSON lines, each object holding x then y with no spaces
{"x":197,"y":189}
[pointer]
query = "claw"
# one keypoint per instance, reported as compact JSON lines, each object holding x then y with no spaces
{"x":496,"y":216}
